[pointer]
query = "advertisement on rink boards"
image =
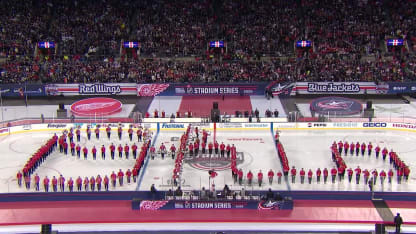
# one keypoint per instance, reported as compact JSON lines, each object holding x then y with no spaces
{"x":336,"y":88}
{"x":213,"y":205}
{"x":91,"y":89}
{"x":22,"y":90}
{"x":173,"y":126}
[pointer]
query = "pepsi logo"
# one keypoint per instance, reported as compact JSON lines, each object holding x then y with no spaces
{"x":96,"y":107}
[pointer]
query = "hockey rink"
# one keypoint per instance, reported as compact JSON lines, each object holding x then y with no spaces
{"x":308,"y":149}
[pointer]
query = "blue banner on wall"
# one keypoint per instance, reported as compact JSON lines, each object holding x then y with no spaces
{"x":22,"y":90}
{"x":400,"y":87}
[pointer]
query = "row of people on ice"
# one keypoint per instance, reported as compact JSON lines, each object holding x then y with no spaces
{"x":141,"y":133}
{"x":356,"y":147}
{"x":86,"y":184}
{"x":40,"y":156}
{"x":112,"y":149}
{"x":334,"y":173}
{"x":180,"y":155}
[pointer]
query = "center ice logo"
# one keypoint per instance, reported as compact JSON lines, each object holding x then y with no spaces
{"x":215,"y":162}
{"x":335,"y":106}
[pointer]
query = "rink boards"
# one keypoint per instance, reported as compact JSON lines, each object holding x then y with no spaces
{"x":56,"y":127}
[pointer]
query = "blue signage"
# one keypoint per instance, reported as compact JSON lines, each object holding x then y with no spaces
{"x":16,"y":90}
{"x":99,"y":89}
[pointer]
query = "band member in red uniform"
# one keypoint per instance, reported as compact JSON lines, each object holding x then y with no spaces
{"x":78,"y":149}
{"x":94,"y":152}
{"x":46,"y":183}
{"x":98,"y":181}
{"x":102,"y":152}
{"x":79,"y":183}
{"x":370,"y":148}
{"x":196,"y":147}
{"x":191,"y":149}
{"x":249,"y":177}
{"x":216,"y":146}
{"x":363,"y":147}
{"x":310,"y":175}
{"x":346,"y":147}
{"x":390,"y":175}
{"x":120,"y":151}
{"x":162,"y":149}
{"x":19,"y":177}
{"x":357,"y":174}
{"x":152,"y":152}
{"x":128,"y":175}
{"x":260,"y":178}
{"x":86,"y":183}
{"x":88,"y":130}
{"x":134,"y":150}
{"x":120,"y":176}
{"x":279,"y":175}
{"x":72,"y":145}
{"x":172,"y":151}
{"x":325,"y":172}
{"x":270,"y":175}
{"x":203,"y":146}
{"x":55,"y":184}
{"x":106,"y":182}
{"x":85,"y":151}
{"x":139,"y":135}
{"x":37,"y":180}
{"x":357,"y":148}
{"x":334,"y":172}
{"x":97,"y":132}
{"x":240,"y":176}
{"x":92,"y":183}
{"x":340,"y":145}
{"x":70,"y":184}
{"x":293,"y":174}
{"x":302,"y":175}
{"x":210,"y":147}
{"x":384,"y":153}
{"x":375,"y":175}
{"x":119,"y":132}
{"x":318,"y":175}
{"x":352,"y":147}
{"x":377,"y":149}
{"x":350,"y":173}
{"x":126,"y":151}
{"x":222,"y":149}
{"x":228,"y":150}
{"x":61,"y":182}
{"x":108,"y":131}
{"x":78,"y":133}
{"x":112,"y":149}
{"x":366,"y":175}
{"x":382,"y":176}
{"x":130,"y":132}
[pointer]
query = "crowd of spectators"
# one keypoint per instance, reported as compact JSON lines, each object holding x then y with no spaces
{"x":348,"y":40}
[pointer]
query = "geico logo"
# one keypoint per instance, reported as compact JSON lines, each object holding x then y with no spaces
{"x":374,"y":125}
{"x":173,"y":125}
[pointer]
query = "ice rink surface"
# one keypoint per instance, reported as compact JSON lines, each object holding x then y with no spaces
{"x":308,"y":149}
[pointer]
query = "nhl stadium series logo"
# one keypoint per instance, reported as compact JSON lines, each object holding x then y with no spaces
{"x":215,"y":162}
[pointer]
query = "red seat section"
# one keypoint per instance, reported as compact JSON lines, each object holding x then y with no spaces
{"x":201,"y":106}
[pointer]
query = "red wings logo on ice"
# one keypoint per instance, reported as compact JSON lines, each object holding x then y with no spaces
{"x":151,"y":89}
{"x":96,"y":107}
{"x":152,"y":205}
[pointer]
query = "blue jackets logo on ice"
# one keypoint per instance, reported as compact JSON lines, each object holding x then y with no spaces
{"x":165,"y":125}
{"x":335,"y":106}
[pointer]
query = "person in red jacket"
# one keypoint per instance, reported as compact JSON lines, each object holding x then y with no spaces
{"x":55,"y":184}
{"x":216,"y":146}
{"x":79,"y":183}
{"x":61,"y":182}
{"x":318,"y":175}
{"x":203,"y":146}
{"x":377,"y":150}
{"x":346,"y":147}
{"x":366,"y":175}
{"x":222,"y":149}
{"x":350,"y":173}
{"x":78,"y":133}
{"x":86,"y":183}
{"x":191,"y":149}
{"x":130,"y":132}
{"x":65,"y":146}
{"x":249,"y":177}
{"x":357,"y":174}
{"x":120,"y":151}
{"x":70,"y":184}
{"x":399,"y":176}
{"x":210,"y":147}
{"x":406,"y":172}
{"x":302,"y":175}
{"x":334,"y":172}
{"x":384,"y":153}
{"x":92,"y":183}
{"x":72,"y":145}
{"x":120,"y":176}
{"x":293,"y":174}
{"x":375,"y":175}
{"x":128,"y":175}
{"x":310,"y":175}
{"x":270,"y":175}
{"x":78,"y":149}
{"x":340,"y":145}
{"x":106,"y":182}
{"x":279,"y":175}
{"x":352,"y":147}
{"x":126,"y":151}
{"x":98,"y":180}
{"x":134,"y":150}
{"x":326,"y":173}
{"x":363,"y":147}
{"x":341,"y":172}
{"x":108,"y":131}
{"x":19,"y":177}
{"x":97,"y":132}
{"x":260,"y":178}
{"x":370,"y":148}
{"x":240,"y":176}
{"x":102,"y":152}
{"x":112,"y":150}
{"x":390,"y":175}
{"x":94,"y":152}
{"x":85,"y":151}
{"x":37,"y":181}
{"x":357,"y":148}
{"x":46,"y":183}
{"x":382,"y":176}
{"x":134,"y":173}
